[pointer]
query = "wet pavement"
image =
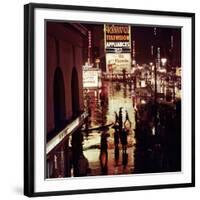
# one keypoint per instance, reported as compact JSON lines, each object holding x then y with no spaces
{"x":99,"y":144}
{"x":124,"y":133}
{"x":153,"y":137}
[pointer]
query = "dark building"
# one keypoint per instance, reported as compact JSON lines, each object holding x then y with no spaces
{"x":65,"y":57}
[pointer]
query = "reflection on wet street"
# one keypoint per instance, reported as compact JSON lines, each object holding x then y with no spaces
{"x":126,"y":134}
{"x":105,"y":147}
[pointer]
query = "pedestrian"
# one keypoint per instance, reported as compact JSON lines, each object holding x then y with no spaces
{"x":116,"y":136}
{"x":120,"y":119}
{"x":116,"y":155}
{"x":83,"y":166}
{"x":116,"y":118}
{"x":104,"y":153}
{"x":124,"y":159}
{"x":124,"y":139}
{"x":127,"y":122}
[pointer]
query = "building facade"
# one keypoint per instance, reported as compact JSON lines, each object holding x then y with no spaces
{"x":65,"y":55}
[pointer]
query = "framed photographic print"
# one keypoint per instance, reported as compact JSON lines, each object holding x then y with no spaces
{"x":108,"y":99}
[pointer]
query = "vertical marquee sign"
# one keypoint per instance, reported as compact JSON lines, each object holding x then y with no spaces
{"x":117,"y":48}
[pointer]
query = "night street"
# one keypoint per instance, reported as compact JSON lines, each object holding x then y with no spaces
{"x":114,"y":105}
{"x":116,"y":95}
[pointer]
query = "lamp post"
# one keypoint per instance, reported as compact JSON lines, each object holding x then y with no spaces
{"x":156,"y":58}
{"x":157,"y":66}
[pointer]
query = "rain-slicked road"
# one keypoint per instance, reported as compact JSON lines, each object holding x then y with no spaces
{"x":102,"y":105}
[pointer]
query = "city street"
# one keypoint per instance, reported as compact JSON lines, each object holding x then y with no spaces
{"x":148,"y":149}
{"x":103,"y":107}
{"x":114,"y":101}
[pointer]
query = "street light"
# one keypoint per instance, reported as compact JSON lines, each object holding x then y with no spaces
{"x":163,"y":61}
{"x":151,"y":64}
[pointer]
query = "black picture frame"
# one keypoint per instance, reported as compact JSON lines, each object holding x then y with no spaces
{"x":29,"y":95}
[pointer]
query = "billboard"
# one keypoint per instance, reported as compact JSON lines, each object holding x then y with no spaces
{"x":116,"y":62}
{"x":117,"y":37}
{"x":90,"y":78}
{"x":117,"y":47}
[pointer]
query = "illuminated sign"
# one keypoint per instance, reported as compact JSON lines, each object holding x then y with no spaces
{"x":117,"y":36}
{"x":117,"y":44}
{"x":117,"y":47}
{"x":116,"y":62}
{"x":116,"y":29}
{"x":90,"y":78}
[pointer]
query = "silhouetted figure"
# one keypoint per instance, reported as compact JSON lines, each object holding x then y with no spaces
{"x":124,"y":74}
{"x":127,"y":117}
{"x":124,"y":139}
{"x":77,"y":151}
{"x":116,"y":155}
{"x":116,"y":118}
{"x":124,"y":159}
{"x":104,"y":154}
{"x":104,"y":96}
{"x":83,"y":166}
{"x":177,"y":136}
{"x":127,"y":120}
{"x":125,"y":90}
{"x":116,"y":128}
{"x":120,"y":120}
{"x":136,"y":116}
{"x":116,"y":138}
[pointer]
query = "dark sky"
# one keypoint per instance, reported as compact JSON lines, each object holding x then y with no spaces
{"x":144,"y":38}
